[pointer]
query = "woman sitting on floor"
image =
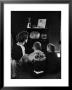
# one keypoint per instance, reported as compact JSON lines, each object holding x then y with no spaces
{"x":18,"y":51}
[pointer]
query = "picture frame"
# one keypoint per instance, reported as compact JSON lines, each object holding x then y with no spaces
{"x":2,"y":3}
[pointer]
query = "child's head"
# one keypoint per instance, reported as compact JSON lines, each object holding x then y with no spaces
{"x":37,"y":46}
{"x":50,"y":47}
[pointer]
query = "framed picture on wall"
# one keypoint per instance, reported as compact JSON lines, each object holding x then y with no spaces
{"x":36,"y":41}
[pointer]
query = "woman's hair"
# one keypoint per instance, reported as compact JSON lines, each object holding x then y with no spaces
{"x":37,"y":45}
{"x":22,"y":36}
